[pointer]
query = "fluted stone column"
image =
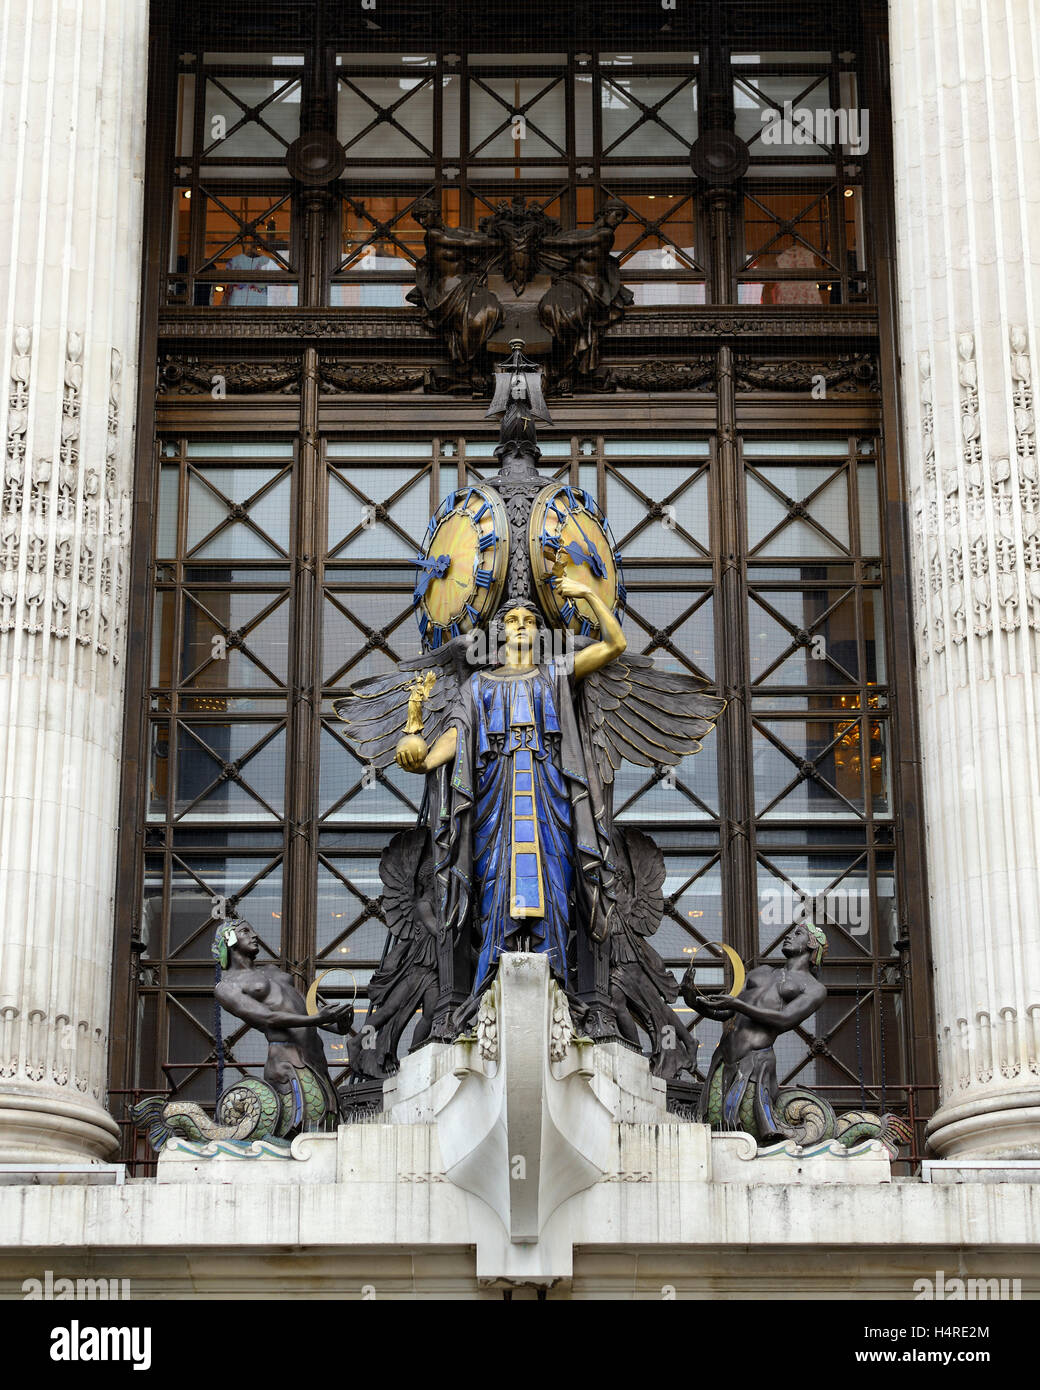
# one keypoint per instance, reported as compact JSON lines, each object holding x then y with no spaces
{"x":965,"y":101}
{"x":72,"y":119}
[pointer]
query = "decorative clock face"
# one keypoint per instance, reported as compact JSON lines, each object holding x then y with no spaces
{"x":569,"y":536}
{"x":461,"y":565}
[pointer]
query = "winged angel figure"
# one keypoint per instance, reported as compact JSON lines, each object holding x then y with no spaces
{"x":519,"y":757}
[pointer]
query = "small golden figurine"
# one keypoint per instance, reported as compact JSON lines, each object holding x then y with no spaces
{"x":412,"y":744}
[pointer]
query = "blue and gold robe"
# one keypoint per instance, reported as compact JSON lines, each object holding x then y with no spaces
{"x":524,"y":828}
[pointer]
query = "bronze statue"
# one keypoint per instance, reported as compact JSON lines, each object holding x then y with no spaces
{"x":519,"y":751}
{"x":586,"y":295}
{"x":741,"y":1087}
{"x":296,"y":1094}
{"x":741,"y":1090}
{"x":520,"y":231}
{"x":407,"y":976}
{"x":583,"y":292}
{"x":514,"y":745}
{"x":641,"y":985}
{"x":265,"y":997}
{"x":451,"y":284}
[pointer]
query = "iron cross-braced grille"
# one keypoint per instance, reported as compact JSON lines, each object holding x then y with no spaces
{"x":761,"y":550}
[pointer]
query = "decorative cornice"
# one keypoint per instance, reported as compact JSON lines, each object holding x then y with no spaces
{"x":341,"y":325}
{"x":345,"y":326}
{"x":727,"y":322}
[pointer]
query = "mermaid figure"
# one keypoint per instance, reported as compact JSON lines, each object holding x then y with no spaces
{"x":741,"y":1089}
{"x":296,"y":1093}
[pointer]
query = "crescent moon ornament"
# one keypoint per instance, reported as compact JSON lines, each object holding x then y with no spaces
{"x":739,"y":973}
{"x":312,"y":993}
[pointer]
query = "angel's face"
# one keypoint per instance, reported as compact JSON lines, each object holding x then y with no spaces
{"x":521,"y":628}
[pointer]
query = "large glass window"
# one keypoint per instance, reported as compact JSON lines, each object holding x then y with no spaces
{"x":748,"y":509}
{"x":817,"y":711}
{"x":565,"y":130}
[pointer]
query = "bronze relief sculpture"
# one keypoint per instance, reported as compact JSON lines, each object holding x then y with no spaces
{"x":521,"y":274}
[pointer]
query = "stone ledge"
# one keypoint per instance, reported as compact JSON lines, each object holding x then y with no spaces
{"x":62,"y":1174}
{"x":659,"y":1202}
{"x":982,"y":1170}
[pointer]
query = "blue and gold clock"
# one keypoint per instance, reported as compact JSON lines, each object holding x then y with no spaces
{"x":569,"y":535}
{"x":461,"y":565}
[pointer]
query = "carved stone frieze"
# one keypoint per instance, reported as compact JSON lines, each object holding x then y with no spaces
{"x":116,"y":526}
{"x":842,"y":375}
{"x":661,"y":375}
{"x":14,"y":473}
{"x":976,"y":519}
{"x":64,"y":527}
{"x":373,"y":378}
{"x":190,"y":376}
{"x":973,"y":480}
{"x":1028,"y":475}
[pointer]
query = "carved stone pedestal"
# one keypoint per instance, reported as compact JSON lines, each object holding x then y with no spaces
{"x":525,"y":1141}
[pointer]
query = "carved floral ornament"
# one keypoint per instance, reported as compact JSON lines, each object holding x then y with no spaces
{"x":63,"y":525}
{"x":976,"y":519}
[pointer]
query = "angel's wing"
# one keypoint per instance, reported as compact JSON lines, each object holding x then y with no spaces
{"x":375,"y":710}
{"x":398,"y":867}
{"x":640,"y":883}
{"x":640,"y":714}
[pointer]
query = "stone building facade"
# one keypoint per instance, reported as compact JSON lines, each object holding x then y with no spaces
{"x":859,"y":321}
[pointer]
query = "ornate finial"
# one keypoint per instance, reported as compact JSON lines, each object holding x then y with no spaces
{"x":519,"y":401}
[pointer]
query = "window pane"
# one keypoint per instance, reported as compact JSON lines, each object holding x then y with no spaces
{"x":629,"y":126}
{"x":869,"y":520}
{"x":250,"y":116}
{"x":760,"y":103}
{"x":539,"y":133}
{"x":166,"y":530}
{"x":385,"y":117}
{"x":803,"y":637}
{"x":206,"y":790}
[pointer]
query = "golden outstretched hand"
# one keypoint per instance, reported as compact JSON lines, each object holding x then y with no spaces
{"x":572,"y":588}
